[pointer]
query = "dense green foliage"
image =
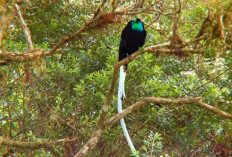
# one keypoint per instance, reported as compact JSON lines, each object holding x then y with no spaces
{"x":60,"y":96}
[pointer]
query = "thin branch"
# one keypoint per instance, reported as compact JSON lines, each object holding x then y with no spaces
{"x":99,"y":8}
{"x":1,"y":36}
{"x":52,"y":151}
{"x":221,"y":26}
{"x":21,"y":56}
{"x":162,"y":32}
{"x":214,"y":110}
{"x":193,"y":40}
{"x":194,"y":100}
{"x":203,"y":85}
{"x":147,"y":100}
{"x":205,"y":24}
{"x":25,"y":28}
{"x":156,"y":49}
{"x":33,"y":145}
{"x":35,"y":53}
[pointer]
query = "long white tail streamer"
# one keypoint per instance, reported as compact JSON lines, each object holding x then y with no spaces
{"x":121,"y":95}
{"x":121,"y":87}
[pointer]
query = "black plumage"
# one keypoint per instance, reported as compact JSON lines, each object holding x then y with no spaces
{"x":131,"y":39}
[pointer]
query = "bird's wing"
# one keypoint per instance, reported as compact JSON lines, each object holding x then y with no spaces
{"x":125,"y":31}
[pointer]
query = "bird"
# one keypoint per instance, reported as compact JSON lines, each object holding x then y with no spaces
{"x":133,"y":36}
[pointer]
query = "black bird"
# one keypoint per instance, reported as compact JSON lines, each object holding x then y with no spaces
{"x":132,"y":37}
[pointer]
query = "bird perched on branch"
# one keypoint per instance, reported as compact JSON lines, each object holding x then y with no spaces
{"x":132,"y":37}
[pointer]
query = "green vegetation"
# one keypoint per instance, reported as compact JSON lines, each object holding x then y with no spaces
{"x":53,"y":97}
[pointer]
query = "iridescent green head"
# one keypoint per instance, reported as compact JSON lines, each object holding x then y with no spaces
{"x":137,"y":25}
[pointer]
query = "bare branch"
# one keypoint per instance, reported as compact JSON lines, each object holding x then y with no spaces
{"x":35,"y":53}
{"x":33,"y":145}
{"x":192,"y":91}
{"x":205,"y":24}
{"x":139,"y":104}
{"x":162,"y":32}
{"x":1,"y":37}
{"x":221,"y":26}
{"x":194,"y":100}
{"x":215,"y":110}
{"x":21,"y":56}
{"x":25,"y":28}
{"x":156,"y":49}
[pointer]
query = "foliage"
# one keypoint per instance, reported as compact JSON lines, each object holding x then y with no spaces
{"x":60,"y":96}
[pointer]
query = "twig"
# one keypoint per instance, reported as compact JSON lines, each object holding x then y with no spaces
{"x":25,"y":28}
{"x":202,"y":85}
{"x":205,"y":24}
{"x":193,"y":40}
{"x":152,"y":146}
{"x":221,"y":26}
{"x":158,"y":30}
{"x":1,"y":36}
{"x":99,"y":9}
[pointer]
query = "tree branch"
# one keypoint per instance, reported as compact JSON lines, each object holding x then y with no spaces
{"x":35,"y":53}
{"x":214,"y":110}
{"x":21,"y":56}
{"x":221,"y":26}
{"x":147,"y":100}
{"x":194,"y":100}
{"x":33,"y":145}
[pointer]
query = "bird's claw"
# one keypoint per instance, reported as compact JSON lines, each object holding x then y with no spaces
{"x":123,"y":98}
{"x":129,"y":57}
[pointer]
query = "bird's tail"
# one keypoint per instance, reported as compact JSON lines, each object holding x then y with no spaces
{"x":121,"y":96}
{"x":121,"y":87}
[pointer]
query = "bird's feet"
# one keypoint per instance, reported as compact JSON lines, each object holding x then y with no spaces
{"x":123,"y":95}
{"x":123,"y":98}
{"x":129,"y":57}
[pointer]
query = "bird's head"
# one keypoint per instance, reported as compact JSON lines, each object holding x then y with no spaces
{"x":137,"y":25}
